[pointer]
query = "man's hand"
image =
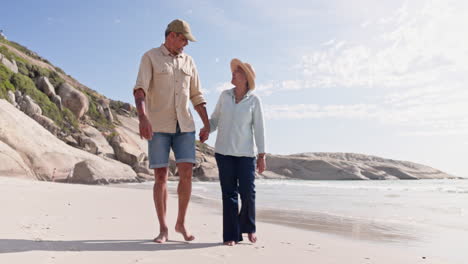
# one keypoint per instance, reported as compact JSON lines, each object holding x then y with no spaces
{"x":261,"y":163}
{"x":146,"y":130}
{"x":204,"y":134}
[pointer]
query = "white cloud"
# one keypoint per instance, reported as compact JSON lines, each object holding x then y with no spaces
{"x":223,"y":86}
{"x":418,"y":59}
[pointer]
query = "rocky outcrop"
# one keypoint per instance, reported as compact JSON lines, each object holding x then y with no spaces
{"x":98,"y":142}
{"x":95,"y":172}
{"x":12,"y":164}
{"x":104,"y":109}
{"x":44,"y":156}
{"x":45,"y":86}
{"x":28,"y":106}
{"x":11,"y":65}
{"x":348,"y":166}
{"x":12,"y":98}
{"x":73,"y":99}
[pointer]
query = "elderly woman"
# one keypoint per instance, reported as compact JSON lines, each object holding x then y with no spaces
{"x":238,"y":117}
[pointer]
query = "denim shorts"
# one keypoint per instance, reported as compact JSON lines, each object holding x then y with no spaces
{"x":182,"y":144}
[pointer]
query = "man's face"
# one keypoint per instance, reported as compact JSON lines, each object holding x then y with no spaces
{"x":179,"y":41}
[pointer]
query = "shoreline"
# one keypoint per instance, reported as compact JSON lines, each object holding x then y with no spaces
{"x":71,"y":223}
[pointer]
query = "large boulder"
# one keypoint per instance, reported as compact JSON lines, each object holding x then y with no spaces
{"x":129,"y":147}
{"x":95,"y":172}
{"x":57,"y":101}
{"x":29,"y":107}
{"x":45,"y":86}
{"x":102,"y":145}
{"x":12,"y":98}
{"x":104,"y":106}
{"x":11,"y":65}
{"x":127,"y":153}
{"x":73,"y":99}
{"x":43,"y":154}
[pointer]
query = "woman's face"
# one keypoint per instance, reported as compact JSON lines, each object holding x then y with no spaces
{"x":239,"y":77}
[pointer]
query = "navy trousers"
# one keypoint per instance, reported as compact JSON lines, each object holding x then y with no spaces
{"x":237,"y":176}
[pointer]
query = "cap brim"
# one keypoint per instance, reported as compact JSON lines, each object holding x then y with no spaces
{"x":190,"y":37}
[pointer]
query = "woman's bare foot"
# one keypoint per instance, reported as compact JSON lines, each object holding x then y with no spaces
{"x":181,"y":229}
{"x":162,"y":237}
{"x":230,"y":243}
{"x":252,"y":237}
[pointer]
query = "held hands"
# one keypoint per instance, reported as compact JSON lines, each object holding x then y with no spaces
{"x":146,"y":130}
{"x":261,"y":164}
{"x":204,"y":134}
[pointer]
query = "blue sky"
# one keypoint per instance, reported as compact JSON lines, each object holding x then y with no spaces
{"x":385,"y":78}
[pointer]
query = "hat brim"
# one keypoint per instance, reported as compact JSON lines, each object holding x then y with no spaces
{"x":250,"y":75}
{"x":189,"y":36}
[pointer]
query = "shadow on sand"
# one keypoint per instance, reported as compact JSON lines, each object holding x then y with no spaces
{"x":24,"y":245}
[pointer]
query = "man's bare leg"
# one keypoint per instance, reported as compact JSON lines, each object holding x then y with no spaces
{"x":160,"y":203}
{"x":184,"y":190}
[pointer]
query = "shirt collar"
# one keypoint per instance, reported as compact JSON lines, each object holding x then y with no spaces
{"x":166,"y":52}
{"x":231,"y":92}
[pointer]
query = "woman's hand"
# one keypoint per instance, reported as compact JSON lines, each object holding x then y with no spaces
{"x":261,"y":163}
{"x":204,"y":134}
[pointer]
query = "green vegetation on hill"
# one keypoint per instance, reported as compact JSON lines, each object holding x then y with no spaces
{"x":99,"y":119}
{"x":23,"y":82}
{"x":5,"y":84}
{"x":23,"y":49}
{"x":49,"y":109}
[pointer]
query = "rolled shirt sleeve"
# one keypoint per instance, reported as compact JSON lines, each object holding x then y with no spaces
{"x":196,"y":96}
{"x":144,"y":74}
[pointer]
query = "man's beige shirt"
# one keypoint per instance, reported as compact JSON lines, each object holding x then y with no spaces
{"x":169,"y":82}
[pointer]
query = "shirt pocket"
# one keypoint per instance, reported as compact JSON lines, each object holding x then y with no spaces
{"x":186,"y":76}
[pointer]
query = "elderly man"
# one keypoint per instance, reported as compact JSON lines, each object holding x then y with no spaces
{"x":166,"y":81}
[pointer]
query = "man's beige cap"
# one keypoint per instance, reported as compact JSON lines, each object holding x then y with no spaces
{"x":181,"y":26}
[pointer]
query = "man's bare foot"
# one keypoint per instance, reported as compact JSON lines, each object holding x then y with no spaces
{"x":162,"y":237}
{"x":181,"y":229}
{"x":230,"y":243}
{"x":252,"y":237}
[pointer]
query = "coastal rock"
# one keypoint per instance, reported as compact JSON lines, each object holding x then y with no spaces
{"x":29,"y":107}
{"x":104,"y":106}
{"x":43,"y":154}
{"x":12,"y":164}
{"x":96,"y":172}
{"x":11,"y":65}
{"x":73,"y":99}
{"x":12,"y":98}
{"x":45,"y":86}
{"x":348,"y":166}
{"x":100,"y":142}
{"x":57,"y":101}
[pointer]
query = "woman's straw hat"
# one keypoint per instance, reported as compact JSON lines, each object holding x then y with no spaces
{"x":248,"y":69}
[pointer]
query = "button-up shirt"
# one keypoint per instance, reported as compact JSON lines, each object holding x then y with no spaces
{"x":169,"y":82}
{"x":238,"y":125}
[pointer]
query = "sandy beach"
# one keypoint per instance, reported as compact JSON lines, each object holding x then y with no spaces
{"x":45,"y":222}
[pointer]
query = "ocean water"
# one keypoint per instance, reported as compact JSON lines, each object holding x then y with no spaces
{"x":426,"y":215}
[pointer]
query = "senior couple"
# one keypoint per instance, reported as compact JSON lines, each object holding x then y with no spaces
{"x":167,"y":80}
